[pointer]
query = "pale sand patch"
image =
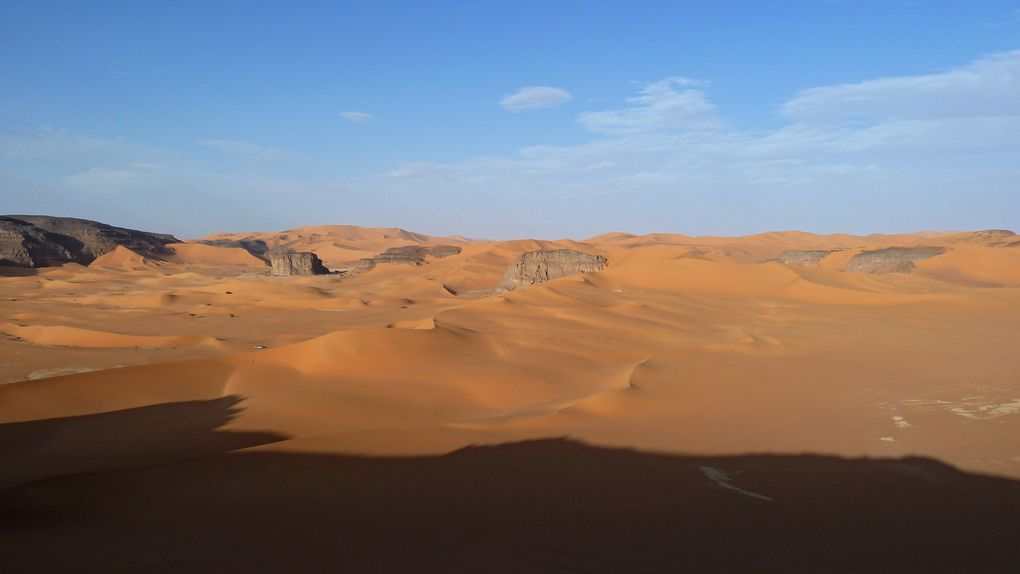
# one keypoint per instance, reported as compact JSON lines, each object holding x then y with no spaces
{"x":988,"y":411}
{"x":47,"y":373}
{"x":721,"y":479}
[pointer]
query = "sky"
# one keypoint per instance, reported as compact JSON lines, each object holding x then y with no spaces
{"x":514,"y":119}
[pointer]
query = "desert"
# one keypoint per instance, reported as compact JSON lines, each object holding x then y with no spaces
{"x":528,"y":287}
{"x":605,"y":367}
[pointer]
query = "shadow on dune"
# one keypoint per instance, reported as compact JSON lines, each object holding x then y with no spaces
{"x":12,"y":271}
{"x":537,"y":506}
{"x":121,"y":439}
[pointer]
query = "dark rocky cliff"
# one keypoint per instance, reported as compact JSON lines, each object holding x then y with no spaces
{"x":42,"y":240}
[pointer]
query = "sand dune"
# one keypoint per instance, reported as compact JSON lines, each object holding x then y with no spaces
{"x":684,"y":345}
{"x":61,"y":335}
{"x":199,"y":254}
{"x":122,"y":258}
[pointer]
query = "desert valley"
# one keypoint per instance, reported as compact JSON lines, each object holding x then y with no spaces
{"x":617,"y":402}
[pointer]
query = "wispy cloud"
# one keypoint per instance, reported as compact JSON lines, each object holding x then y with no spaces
{"x":989,"y":86}
{"x":671,"y":104}
{"x":416,"y":169}
{"x":930,"y":140}
{"x":357,"y":117}
{"x":921,"y":151}
{"x":248,"y":150}
{"x":535,"y":98}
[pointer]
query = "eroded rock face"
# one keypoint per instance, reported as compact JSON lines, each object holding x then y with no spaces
{"x":892,"y":259}
{"x":539,"y":266}
{"x":40,"y":240}
{"x":256,"y":247}
{"x":995,"y":234}
{"x":411,"y":254}
{"x":296,"y":263}
{"x":803,"y":257}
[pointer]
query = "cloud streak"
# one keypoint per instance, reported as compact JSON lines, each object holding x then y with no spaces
{"x":356,"y":117}
{"x":934,"y":151}
{"x":672,"y":104}
{"x":989,"y":86}
{"x":890,"y":154}
{"x":248,"y":150}
{"x":531,"y":98}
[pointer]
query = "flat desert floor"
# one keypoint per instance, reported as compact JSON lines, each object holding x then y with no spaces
{"x":698,"y":405}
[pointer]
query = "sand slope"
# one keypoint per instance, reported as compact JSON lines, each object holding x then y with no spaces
{"x":123,"y":259}
{"x":199,"y":254}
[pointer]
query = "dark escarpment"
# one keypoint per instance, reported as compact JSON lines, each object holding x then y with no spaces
{"x":892,"y":259}
{"x":41,"y":241}
{"x":411,"y":255}
{"x":994,"y":236}
{"x":545,"y":265}
{"x":256,"y":247}
{"x":803,"y":256}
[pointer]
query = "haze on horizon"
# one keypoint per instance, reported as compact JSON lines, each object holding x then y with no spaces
{"x":533,"y":119}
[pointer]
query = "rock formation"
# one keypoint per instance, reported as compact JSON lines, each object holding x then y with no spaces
{"x":540,"y":266}
{"x":39,"y":241}
{"x":411,"y":255}
{"x":995,"y":235}
{"x":295,"y":263}
{"x":256,"y":247}
{"x":803,"y":257}
{"x":891,"y":259}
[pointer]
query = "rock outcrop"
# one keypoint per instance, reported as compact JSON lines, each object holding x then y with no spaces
{"x":803,"y":257}
{"x":539,"y":266}
{"x":995,"y":235}
{"x":296,"y":263}
{"x":40,"y":241}
{"x":411,"y":255}
{"x":892,"y":259}
{"x":256,"y":247}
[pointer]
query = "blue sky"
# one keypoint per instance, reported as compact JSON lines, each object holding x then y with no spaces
{"x":512,"y":119}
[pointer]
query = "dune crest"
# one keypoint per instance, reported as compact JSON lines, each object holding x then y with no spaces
{"x":122,"y":259}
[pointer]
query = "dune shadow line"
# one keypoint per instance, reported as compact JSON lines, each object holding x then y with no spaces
{"x":141,"y":436}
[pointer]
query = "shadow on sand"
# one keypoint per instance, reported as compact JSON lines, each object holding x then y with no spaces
{"x":549,"y":505}
{"x":121,"y":439}
{"x":12,"y":271}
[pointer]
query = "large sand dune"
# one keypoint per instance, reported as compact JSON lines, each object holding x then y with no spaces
{"x":709,"y":351}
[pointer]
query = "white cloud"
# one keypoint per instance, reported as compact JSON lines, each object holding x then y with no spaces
{"x":666,"y":105}
{"x":357,"y":117}
{"x":989,"y":86}
{"x":666,"y":160}
{"x":535,"y":98}
{"x":662,"y":160}
{"x":248,"y":150}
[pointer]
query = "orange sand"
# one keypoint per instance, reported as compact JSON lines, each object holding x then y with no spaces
{"x":692,"y":345}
